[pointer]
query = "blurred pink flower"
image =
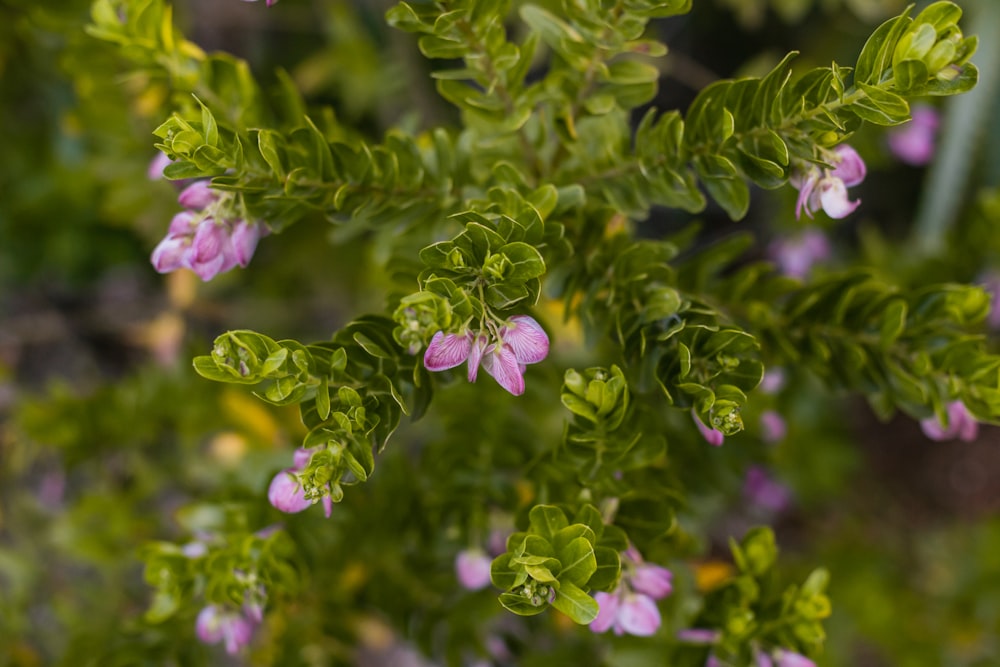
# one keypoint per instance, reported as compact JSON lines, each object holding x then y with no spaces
{"x":796,"y":255}
{"x":762,"y":490}
{"x":699,"y":636}
{"x":472,"y":567}
{"x":913,"y":142}
{"x":232,"y":628}
{"x":772,"y":426}
{"x":157,"y":165}
{"x":623,"y":612}
{"x":961,"y":424}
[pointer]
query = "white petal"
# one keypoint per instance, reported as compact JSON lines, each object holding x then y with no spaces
{"x":833,"y":195}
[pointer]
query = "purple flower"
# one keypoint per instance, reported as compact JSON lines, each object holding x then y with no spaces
{"x":913,"y":143}
{"x":713,"y":436}
{"x":233,"y":629}
{"x":827,"y":189}
{"x":712,"y":662}
{"x":170,"y":254}
{"x":772,"y":426}
{"x":520,"y":342}
{"x":763,"y":660}
{"x":961,"y":424}
{"x":286,"y":492}
{"x":472,"y":567}
{"x":789,"y":659}
{"x":244,"y":238}
{"x":762,"y":490}
{"x":631,"y":613}
{"x":795,"y":256}
{"x":211,"y":250}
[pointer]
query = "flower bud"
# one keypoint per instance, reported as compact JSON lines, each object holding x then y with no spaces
{"x":210,"y":250}
{"x":170,"y":254}
{"x":197,"y":196}
{"x":244,"y":238}
{"x":652,"y":580}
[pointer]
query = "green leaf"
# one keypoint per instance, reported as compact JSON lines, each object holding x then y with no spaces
{"x":576,"y":604}
{"x":876,"y":55}
{"x":502,"y":573}
{"x":578,"y":561}
{"x":526,"y":262}
{"x":880,"y":106}
{"x":608,"y":567}
{"x":520,"y":605}
{"x":546,"y":521}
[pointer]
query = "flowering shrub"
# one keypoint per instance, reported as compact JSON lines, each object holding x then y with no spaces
{"x":536,"y":221}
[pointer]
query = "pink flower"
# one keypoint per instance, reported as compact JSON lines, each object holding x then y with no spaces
{"x":713,"y":436}
{"x":762,"y":490}
{"x":913,"y":143}
{"x":286,"y":492}
{"x":233,"y":629}
{"x":828,"y":189}
{"x":472,"y":567}
{"x":772,"y":426}
{"x":773,"y":380}
{"x":795,"y":256}
{"x":631,"y":613}
{"x":244,"y":238}
{"x":170,"y":254}
{"x":211,"y":250}
{"x":789,"y":659}
{"x":961,"y":424}
{"x":520,"y":342}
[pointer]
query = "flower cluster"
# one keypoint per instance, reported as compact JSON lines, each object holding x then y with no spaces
{"x":286,"y":492}
{"x":504,"y":354}
{"x":631,"y":607}
{"x":827,"y":188}
{"x":204,"y":237}
{"x":961,"y":424}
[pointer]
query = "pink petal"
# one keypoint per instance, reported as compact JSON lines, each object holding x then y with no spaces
{"x":607,"y":605}
{"x":244,"y":239}
{"x":833,"y":195}
{"x":302,"y":458}
{"x":638,"y":615}
{"x":237,"y":632}
{"x":850,"y":167}
{"x":157,"y":165}
{"x":170,"y":254}
{"x":327,"y":506}
{"x":772,"y":426}
{"x":446,"y":351}
{"x":789,"y":659}
{"x":286,"y":493}
{"x":712,"y":436}
{"x":527,"y":338}
{"x":805,"y":187}
{"x":198,"y":195}
{"x":182,"y":224}
{"x":476,"y":356}
{"x":652,"y":580}
{"x":501,"y":363}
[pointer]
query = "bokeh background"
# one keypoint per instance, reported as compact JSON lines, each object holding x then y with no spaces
{"x":107,"y":436}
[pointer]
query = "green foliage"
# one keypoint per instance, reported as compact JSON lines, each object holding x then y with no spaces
{"x":556,"y":562}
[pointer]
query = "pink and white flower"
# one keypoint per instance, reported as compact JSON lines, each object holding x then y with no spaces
{"x":827,"y":188}
{"x":785,"y":658}
{"x":796,"y":255}
{"x":520,"y":342}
